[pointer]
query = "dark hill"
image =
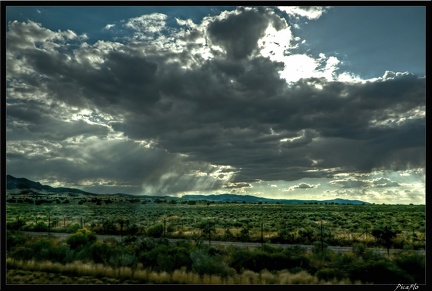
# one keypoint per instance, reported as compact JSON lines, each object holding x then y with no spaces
{"x":23,"y":183}
{"x":254,"y":199}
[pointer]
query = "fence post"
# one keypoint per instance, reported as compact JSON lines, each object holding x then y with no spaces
{"x":262,"y":234}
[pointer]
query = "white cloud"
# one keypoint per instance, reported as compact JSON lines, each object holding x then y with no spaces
{"x":301,"y":186}
{"x":188,"y":22}
{"x":309,"y":12}
{"x":275,"y":43}
{"x":109,"y":26}
{"x":298,"y":66}
{"x":147,"y":25}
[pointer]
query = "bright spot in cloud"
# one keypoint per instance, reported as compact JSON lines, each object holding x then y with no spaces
{"x":310,"y":12}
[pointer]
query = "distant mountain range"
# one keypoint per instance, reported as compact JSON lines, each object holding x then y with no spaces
{"x":254,"y":199}
{"x":25,"y":185}
{"x":13,"y":183}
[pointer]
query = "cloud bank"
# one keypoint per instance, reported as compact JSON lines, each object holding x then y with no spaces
{"x":202,"y":107}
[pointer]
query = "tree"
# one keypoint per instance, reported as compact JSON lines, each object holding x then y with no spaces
{"x":385,"y":236}
{"x":108,"y":226}
{"x":121,"y":221}
{"x":307,"y":234}
{"x":15,"y":225}
{"x":207,"y":228}
{"x":244,"y":234}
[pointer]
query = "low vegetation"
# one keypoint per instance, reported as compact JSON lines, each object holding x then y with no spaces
{"x":144,"y":255}
{"x":81,"y":258}
{"x":339,"y":225}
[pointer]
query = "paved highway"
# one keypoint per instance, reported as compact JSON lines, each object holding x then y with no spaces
{"x":336,"y":249}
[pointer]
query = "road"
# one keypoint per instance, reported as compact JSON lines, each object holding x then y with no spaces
{"x":336,"y":249}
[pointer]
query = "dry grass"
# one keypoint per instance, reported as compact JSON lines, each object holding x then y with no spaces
{"x":33,"y":272}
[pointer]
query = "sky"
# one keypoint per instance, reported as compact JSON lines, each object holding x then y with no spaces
{"x":284,"y":102}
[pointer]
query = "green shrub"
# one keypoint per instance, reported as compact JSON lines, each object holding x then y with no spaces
{"x":359,"y":249}
{"x":412,"y":264}
{"x":100,"y":252}
{"x":73,"y":228}
{"x":268,"y":258}
{"x":382,"y":271}
{"x":155,"y":230}
{"x":203,"y":263}
{"x":14,"y":239}
{"x":146,"y":244}
{"x":38,"y":245}
{"x":40,"y":226}
{"x":22,"y":253}
{"x":80,"y":238}
{"x":15,"y":225}
{"x":174,"y":258}
{"x":150,"y":258}
{"x":56,"y":253}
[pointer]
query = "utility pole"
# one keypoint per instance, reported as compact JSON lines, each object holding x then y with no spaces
{"x":209,"y":231}
{"x":413,"y":237}
{"x":262,"y":230}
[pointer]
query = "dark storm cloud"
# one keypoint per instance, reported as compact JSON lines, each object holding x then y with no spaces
{"x":32,"y":34}
{"x":377,"y":183}
{"x":224,"y":110}
{"x":237,"y":185}
{"x":36,"y":121}
{"x":384,"y":182}
{"x":235,"y":129}
{"x":350,"y":183}
{"x":239,"y":33}
{"x":120,"y":79}
{"x":302,"y":186}
{"x":31,"y":112}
